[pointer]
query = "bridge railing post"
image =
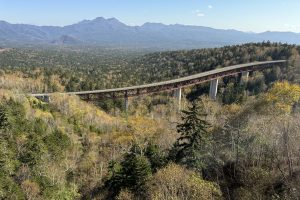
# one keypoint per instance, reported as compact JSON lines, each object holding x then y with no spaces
{"x":213,"y":89}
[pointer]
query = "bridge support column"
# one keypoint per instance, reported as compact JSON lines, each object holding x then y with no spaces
{"x":126,"y":102}
{"x":178,"y":95}
{"x":213,"y":89}
{"x":244,"y":78}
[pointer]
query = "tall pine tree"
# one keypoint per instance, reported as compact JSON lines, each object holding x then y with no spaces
{"x":191,"y":147}
{"x":132,"y":173}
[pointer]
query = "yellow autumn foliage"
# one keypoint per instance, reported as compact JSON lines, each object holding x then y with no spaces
{"x":231,"y":109}
{"x":19,"y":81}
{"x":138,"y":129}
{"x":5,"y":94}
{"x":143,"y":127}
{"x":42,"y":114}
{"x":38,"y":113}
{"x":55,"y":80}
{"x":86,"y":113}
{"x":282,"y":96}
{"x":120,"y":138}
{"x":176,"y":182}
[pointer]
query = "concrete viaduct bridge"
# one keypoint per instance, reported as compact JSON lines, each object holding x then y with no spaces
{"x":173,"y":85}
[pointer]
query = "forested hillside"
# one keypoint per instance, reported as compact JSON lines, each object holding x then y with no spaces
{"x":77,"y":70}
{"x":65,"y":69}
{"x":69,"y":149}
{"x":245,"y":145}
{"x":168,"y":65}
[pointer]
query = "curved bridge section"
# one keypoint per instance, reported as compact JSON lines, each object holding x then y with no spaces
{"x":175,"y":84}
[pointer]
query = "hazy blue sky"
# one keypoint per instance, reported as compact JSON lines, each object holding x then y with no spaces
{"x":245,"y":15}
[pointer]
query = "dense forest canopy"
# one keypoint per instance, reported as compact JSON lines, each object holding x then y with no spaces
{"x":245,"y":145}
{"x":102,"y":69}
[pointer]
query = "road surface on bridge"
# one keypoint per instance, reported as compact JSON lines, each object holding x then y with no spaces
{"x":172,"y":84}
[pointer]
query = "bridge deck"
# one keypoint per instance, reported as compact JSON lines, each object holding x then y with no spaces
{"x":217,"y":72}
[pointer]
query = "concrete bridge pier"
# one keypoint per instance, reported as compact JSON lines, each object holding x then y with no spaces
{"x":244,"y":78}
{"x":126,"y":102}
{"x":213,"y":89}
{"x":178,"y":95}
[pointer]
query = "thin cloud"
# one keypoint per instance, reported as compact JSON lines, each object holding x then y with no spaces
{"x":199,"y":13}
{"x":210,"y":6}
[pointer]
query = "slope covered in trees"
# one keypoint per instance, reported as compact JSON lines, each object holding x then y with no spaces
{"x":167,"y":65}
{"x":70,"y":149}
{"x":245,"y":145}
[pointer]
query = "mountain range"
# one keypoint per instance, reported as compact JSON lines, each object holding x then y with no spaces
{"x":111,"y":32}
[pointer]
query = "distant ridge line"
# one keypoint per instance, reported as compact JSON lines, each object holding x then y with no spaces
{"x":111,"y":32}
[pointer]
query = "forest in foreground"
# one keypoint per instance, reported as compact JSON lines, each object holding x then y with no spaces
{"x":245,"y":145}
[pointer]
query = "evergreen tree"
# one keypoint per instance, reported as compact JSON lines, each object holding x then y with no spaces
{"x":136,"y":170}
{"x":190,"y":148}
{"x":132,"y":173}
{"x":155,"y":156}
